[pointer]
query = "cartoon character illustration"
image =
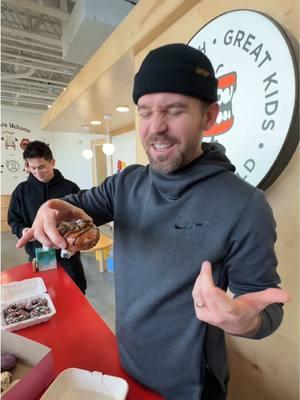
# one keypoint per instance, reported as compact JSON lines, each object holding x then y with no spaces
{"x":12,"y":165}
{"x":9,"y":139}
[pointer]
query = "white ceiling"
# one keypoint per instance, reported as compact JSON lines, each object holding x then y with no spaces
{"x":33,"y":69}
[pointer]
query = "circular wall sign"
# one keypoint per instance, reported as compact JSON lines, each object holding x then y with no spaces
{"x":258,"y":93}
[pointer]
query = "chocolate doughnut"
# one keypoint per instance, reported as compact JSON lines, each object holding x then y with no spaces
{"x":20,"y":312}
{"x":39,"y":310}
{"x":79,"y":234}
{"x":14,"y":308}
{"x":17,"y":316}
{"x":37,"y":302}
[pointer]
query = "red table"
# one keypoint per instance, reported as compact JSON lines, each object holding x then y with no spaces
{"x":78,"y":337}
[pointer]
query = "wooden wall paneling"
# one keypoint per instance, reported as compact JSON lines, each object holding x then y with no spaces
{"x":5,"y":199}
{"x":95,"y":145}
{"x":263,"y":370}
{"x":284,"y":197}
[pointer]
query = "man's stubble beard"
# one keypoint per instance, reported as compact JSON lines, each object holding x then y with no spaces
{"x":168,"y":165}
{"x":164,"y":166}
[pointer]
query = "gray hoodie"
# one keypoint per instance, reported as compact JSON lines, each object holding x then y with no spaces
{"x":165,"y":226}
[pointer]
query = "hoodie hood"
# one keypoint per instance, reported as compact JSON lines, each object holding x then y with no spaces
{"x":211,"y":162}
{"x":58,"y":177}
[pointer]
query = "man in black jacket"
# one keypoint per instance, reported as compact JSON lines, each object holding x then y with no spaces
{"x":43,"y":183}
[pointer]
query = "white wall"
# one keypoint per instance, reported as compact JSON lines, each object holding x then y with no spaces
{"x":17,"y":124}
{"x":125,"y":145}
{"x":67,"y":150}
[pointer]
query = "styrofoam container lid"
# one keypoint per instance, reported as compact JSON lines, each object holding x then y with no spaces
{"x":20,"y":290}
{"x":79,"y":384}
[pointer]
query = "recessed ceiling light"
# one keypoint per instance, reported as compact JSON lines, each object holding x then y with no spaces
{"x":49,"y":106}
{"x":95,"y":122}
{"x":85,"y":127}
{"x":122,"y":108}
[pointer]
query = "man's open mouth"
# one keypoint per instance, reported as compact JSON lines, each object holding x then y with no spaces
{"x":161,"y":146}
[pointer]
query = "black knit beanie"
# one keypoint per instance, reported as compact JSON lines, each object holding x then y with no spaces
{"x":176,"y":68}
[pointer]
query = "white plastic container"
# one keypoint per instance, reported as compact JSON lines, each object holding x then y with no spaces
{"x":79,"y":384}
{"x":23,"y":292}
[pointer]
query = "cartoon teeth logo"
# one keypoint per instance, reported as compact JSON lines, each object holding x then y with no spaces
{"x":225,"y":119}
{"x":257,"y":93}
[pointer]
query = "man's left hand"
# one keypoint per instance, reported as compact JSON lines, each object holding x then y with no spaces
{"x":239,"y":316}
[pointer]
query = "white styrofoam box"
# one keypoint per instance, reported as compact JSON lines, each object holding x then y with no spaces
{"x":79,"y":384}
{"x":23,"y":292}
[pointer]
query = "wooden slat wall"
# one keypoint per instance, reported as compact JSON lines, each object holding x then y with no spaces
{"x":4,"y":206}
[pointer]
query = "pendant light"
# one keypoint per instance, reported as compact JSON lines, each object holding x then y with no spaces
{"x":108,"y":148}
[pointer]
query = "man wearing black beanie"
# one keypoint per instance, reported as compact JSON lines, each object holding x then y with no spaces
{"x":186,"y":228}
{"x":176,"y":68}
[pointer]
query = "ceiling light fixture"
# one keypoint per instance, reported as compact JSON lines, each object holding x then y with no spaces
{"x":85,"y":127}
{"x":122,"y":109}
{"x":108,"y":149}
{"x":87,"y":154}
{"x":95,"y":122}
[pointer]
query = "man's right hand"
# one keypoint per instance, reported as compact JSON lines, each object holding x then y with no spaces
{"x":44,"y":227}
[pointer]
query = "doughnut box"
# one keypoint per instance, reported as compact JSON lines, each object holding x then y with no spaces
{"x":25,"y":303}
{"x":34,"y":370}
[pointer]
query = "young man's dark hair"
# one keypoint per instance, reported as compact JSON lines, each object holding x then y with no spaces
{"x":37,"y":149}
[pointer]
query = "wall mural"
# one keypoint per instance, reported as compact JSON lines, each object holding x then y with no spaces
{"x":13,"y":142}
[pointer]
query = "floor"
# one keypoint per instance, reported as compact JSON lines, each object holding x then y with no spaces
{"x":100,"y":285}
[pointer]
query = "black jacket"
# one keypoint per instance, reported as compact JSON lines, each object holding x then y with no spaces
{"x":24,"y":204}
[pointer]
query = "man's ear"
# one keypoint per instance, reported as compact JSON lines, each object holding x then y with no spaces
{"x":211,"y":115}
{"x":52,"y":162}
{"x":26,"y":167}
